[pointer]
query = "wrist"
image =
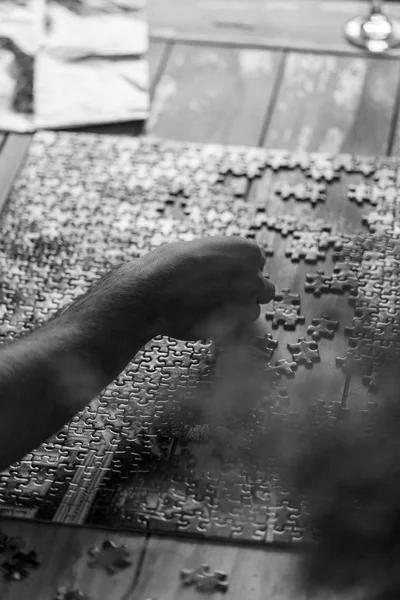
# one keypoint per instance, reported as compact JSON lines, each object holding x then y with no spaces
{"x":111,"y":322}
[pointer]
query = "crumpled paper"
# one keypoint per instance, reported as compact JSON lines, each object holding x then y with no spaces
{"x":70,"y":63}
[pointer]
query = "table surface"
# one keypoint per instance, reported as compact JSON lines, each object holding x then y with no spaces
{"x":273,"y":73}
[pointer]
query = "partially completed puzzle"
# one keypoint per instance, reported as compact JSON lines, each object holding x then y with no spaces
{"x":152,"y":452}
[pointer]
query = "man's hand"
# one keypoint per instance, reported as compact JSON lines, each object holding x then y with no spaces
{"x":206,"y":288}
{"x":192,"y":290}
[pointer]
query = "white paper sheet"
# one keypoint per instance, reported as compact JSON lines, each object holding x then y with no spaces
{"x":68,"y":63}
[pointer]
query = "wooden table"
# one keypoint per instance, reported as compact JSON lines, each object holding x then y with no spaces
{"x":273,"y":73}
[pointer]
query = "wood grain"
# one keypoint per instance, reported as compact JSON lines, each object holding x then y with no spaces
{"x":296,"y":24}
{"x":62,"y":551}
{"x":214,"y":94}
{"x":334,"y":104}
{"x":253,"y":574}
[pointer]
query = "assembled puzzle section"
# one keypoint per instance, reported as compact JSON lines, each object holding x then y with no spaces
{"x":157,"y":451}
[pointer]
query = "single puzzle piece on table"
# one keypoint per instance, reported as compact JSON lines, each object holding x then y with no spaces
{"x":20,"y":566}
{"x":110,"y":556}
{"x":205,"y":580}
{"x":286,"y":315}
{"x":63,"y":593}
{"x":305,"y":352}
{"x":286,"y":368}
{"x":281,"y":367}
{"x":317,"y":283}
{"x":322,"y":328}
{"x":287,"y":297}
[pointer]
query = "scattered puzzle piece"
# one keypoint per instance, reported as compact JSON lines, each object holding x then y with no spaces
{"x":322,"y":327}
{"x":266,"y":345}
{"x":286,"y":368}
{"x":287,"y":297}
{"x":305,"y":352}
{"x":20,"y":566}
{"x":285,"y":315}
{"x":110,"y":557}
{"x":205,"y":580}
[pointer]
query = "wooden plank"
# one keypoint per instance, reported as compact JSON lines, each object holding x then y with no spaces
{"x":214,"y":94}
{"x":253,"y":574}
{"x":305,"y":24}
{"x":62,"y":551}
{"x":11,"y":158}
{"x":334,"y":104}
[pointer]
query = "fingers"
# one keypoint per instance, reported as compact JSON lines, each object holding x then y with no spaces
{"x":228,"y":318}
{"x":263,"y":259}
{"x":266,"y":290}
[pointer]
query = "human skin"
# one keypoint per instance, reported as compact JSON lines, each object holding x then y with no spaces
{"x":206,"y":288}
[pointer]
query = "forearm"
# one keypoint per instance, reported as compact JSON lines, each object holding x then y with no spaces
{"x":54,"y":372}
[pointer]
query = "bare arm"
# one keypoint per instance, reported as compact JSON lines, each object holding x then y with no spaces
{"x":54,"y":372}
{"x":189,"y":290}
